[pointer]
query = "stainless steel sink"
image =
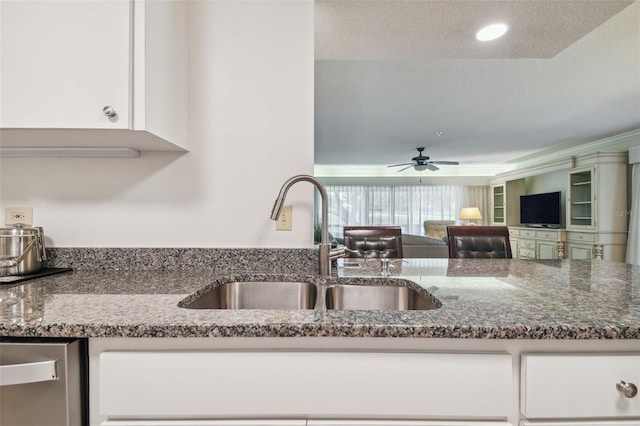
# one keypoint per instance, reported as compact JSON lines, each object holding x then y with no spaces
{"x":257,"y":295}
{"x":377,"y":297}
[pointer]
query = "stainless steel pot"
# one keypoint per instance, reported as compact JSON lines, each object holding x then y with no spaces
{"x":22,"y":250}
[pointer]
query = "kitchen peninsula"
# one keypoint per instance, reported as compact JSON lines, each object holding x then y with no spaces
{"x":506,"y":333}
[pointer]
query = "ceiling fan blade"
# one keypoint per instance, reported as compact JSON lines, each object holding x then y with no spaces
{"x":431,"y":167}
{"x":451,"y":163}
{"x":402,"y":164}
{"x":408,"y":167}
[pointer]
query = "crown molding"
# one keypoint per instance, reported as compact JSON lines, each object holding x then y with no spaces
{"x":621,"y":142}
{"x":565,"y":159}
{"x":534,"y":170}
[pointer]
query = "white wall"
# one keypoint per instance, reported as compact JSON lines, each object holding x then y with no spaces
{"x":251,"y":127}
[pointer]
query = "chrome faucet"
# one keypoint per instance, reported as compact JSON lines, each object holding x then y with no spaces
{"x":326,"y":254}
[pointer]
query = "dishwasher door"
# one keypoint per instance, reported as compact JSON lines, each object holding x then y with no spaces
{"x":42,"y":382}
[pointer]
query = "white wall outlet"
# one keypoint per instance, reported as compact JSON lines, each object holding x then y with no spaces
{"x":284,"y":221}
{"x":13,"y":215}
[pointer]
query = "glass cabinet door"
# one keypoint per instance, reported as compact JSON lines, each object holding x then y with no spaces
{"x":580,"y":200}
{"x":498,"y":204}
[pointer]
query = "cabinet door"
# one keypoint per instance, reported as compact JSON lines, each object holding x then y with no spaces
{"x":579,"y":386}
{"x":547,"y":250}
{"x":62,"y":62}
{"x":515,"y":247}
{"x":403,"y":423}
{"x":581,"y":199}
{"x":579,"y":252}
{"x":367,"y":385}
{"x":498,"y":201}
{"x":271,"y":422}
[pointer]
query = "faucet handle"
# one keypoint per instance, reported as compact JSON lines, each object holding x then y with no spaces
{"x":338,"y":252}
{"x":384,"y":267}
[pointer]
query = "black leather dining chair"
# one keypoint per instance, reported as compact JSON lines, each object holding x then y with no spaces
{"x":373,"y":241}
{"x":483,"y":242}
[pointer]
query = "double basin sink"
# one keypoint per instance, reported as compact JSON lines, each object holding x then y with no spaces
{"x":295,"y":295}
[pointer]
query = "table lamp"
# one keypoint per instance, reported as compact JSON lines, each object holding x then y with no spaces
{"x":470,"y":213}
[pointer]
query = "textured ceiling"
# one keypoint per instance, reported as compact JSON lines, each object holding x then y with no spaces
{"x":390,"y":75}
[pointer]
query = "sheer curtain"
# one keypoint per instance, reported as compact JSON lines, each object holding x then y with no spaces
{"x":404,"y":206}
{"x":479,"y":196}
{"x":633,"y":239}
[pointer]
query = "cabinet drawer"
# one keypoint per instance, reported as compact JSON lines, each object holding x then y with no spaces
{"x":527,"y":253}
{"x":531,"y":244}
{"x":585,"y":237}
{"x":548,"y":235}
{"x":514,"y":232}
{"x":552,"y":384}
{"x":527,"y":233}
{"x":254,"y":384}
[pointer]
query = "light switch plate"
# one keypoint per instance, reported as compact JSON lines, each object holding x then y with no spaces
{"x":284,"y":221}
{"x":23,"y":215}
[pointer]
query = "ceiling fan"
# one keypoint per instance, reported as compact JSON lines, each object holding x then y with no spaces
{"x":422,"y":162}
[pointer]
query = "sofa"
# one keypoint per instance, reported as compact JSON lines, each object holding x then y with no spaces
{"x":434,"y":243}
{"x":419,"y":246}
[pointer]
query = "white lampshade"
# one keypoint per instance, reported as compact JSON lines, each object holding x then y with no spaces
{"x":468,"y":213}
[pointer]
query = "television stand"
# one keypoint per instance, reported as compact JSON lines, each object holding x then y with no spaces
{"x":546,"y":226}
{"x":537,"y":242}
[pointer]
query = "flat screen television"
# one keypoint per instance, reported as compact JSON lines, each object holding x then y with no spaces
{"x":540,"y":209}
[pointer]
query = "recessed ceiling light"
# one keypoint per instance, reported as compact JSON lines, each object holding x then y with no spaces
{"x":491,"y":32}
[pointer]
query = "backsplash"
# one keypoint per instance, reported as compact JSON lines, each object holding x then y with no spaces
{"x":212,"y":259}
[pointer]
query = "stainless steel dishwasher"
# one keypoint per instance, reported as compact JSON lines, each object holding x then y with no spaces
{"x":43,"y":382}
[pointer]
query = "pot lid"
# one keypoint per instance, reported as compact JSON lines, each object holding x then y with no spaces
{"x":20,"y":229}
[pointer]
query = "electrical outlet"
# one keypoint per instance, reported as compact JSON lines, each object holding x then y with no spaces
{"x":13,"y":215}
{"x":284,"y":221}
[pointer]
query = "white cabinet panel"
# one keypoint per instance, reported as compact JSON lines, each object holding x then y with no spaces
{"x":62,"y":62}
{"x":204,"y":423}
{"x":300,"y":423}
{"x":578,"y":386}
{"x":366,"y":385}
{"x":402,"y":423}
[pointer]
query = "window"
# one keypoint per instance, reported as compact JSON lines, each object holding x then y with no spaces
{"x":404,"y":206}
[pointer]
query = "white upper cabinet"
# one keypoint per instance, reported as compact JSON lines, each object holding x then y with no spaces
{"x":62,"y":62}
{"x":94,"y":73}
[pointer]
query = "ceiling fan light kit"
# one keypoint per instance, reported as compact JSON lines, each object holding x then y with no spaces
{"x":421,"y":163}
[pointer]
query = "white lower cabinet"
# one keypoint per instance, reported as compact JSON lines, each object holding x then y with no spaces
{"x":144,"y":388}
{"x":581,"y":386}
{"x":299,"y":423}
{"x":204,"y":423}
{"x":528,"y":243}
{"x":401,"y":423}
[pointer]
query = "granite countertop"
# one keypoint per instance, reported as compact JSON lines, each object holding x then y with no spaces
{"x":495,"y":298}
